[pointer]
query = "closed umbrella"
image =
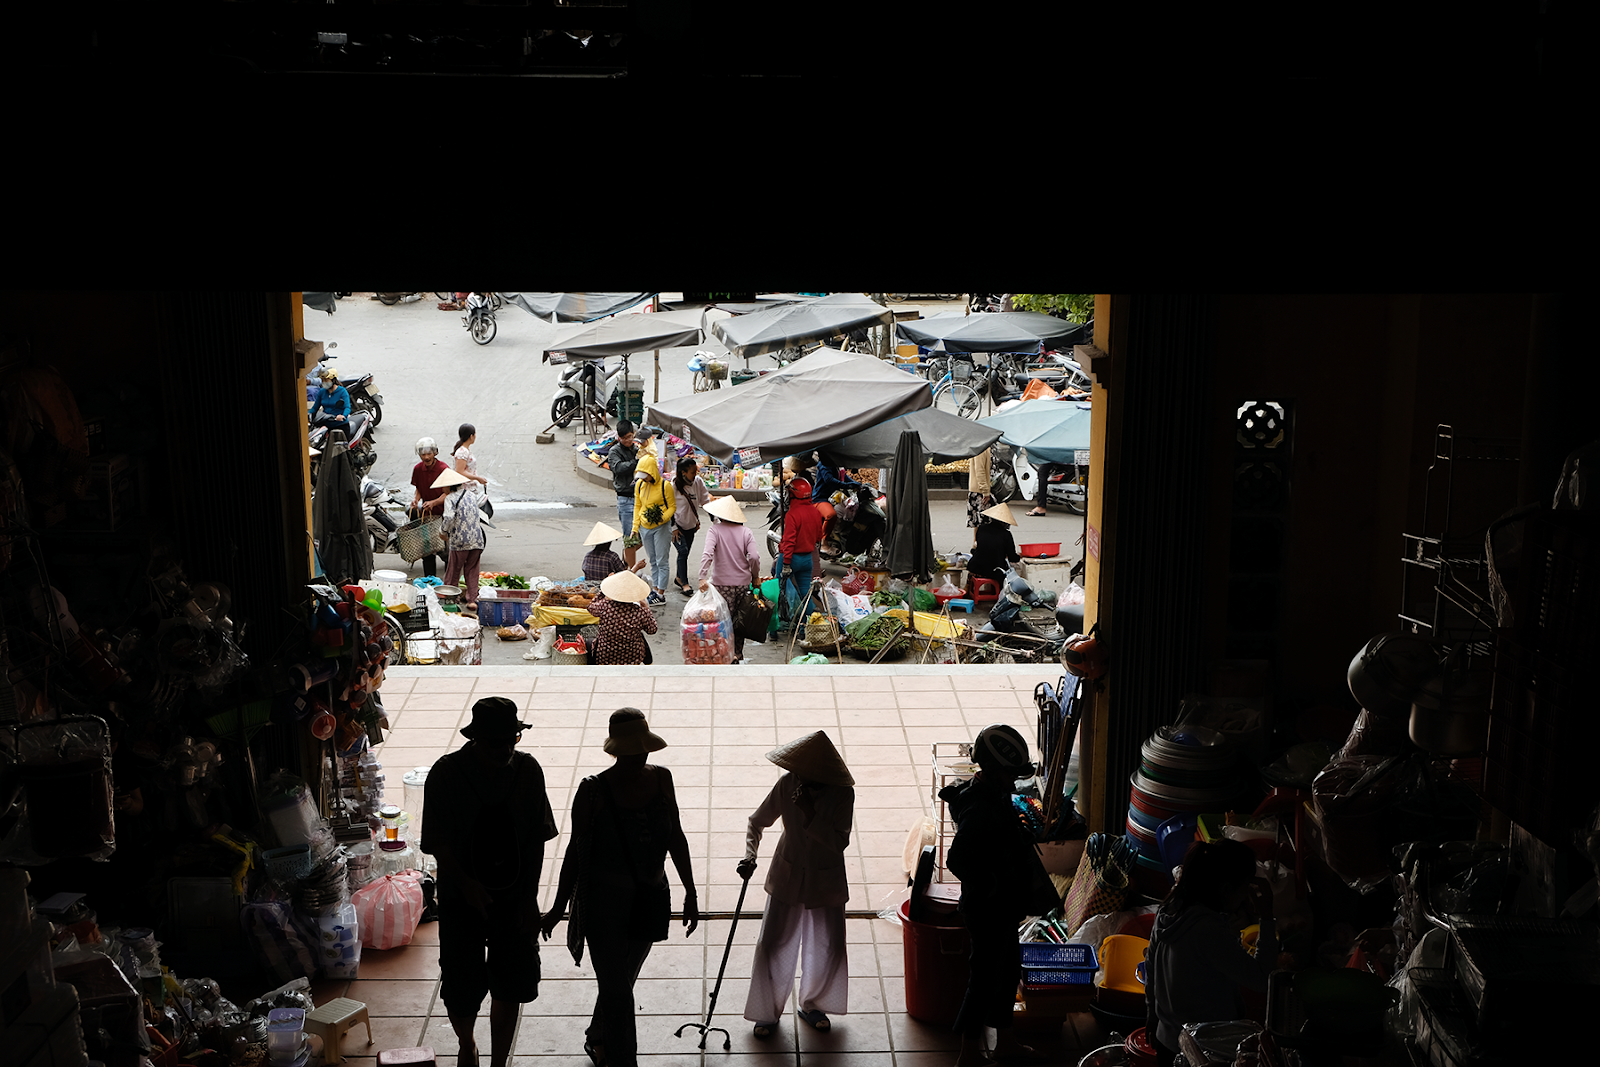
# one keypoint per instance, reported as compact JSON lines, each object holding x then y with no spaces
{"x":910,"y":547}
{"x":337,"y":524}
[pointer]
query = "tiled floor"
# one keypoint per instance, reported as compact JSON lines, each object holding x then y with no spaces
{"x":719,"y":723}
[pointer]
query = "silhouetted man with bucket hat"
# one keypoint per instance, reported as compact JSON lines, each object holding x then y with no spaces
{"x":486,"y":818}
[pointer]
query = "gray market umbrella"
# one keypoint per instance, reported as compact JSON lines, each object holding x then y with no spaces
{"x":574,"y":307}
{"x":319,"y":302}
{"x":999,"y":331}
{"x":801,"y":407}
{"x":909,"y":549}
{"x":1052,"y":431}
{"x":775,"y":329}
{"x":946,"y":438}
{"x":627,"y":334}
{"x":337,"y":524}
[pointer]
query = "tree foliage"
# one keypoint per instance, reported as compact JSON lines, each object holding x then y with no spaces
{"x":1074,"y":307}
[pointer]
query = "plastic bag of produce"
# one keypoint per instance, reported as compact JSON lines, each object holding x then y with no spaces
{"x":808,"y":658}
{"x":922,"y":600}
{"x":707,"y":628}
{"x":843,"y":606}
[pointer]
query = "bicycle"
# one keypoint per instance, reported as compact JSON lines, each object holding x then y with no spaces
{"x":709,"y":372}
{"x":951,"y":393}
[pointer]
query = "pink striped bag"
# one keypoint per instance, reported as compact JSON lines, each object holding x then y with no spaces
{"x":388,"y":910}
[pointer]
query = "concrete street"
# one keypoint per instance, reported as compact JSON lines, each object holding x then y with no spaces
{"x":433,"y":378}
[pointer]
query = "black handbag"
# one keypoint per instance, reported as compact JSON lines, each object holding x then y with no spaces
{"x":755,"y":617}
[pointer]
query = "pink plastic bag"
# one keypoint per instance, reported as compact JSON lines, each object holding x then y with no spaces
{"x":388,"y":910}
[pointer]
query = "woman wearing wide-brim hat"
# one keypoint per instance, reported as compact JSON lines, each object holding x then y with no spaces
{"x":730,"y":560}
{"x":807,"y":886}
{"x":600,"y":563}
{"x":994,"y":546}
{"x":625,"y":823}
{"x":463,"y":530}
{"x":624,"y":620}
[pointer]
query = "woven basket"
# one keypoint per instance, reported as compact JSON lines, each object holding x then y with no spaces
{"x":569,"y":659}
{"x":821,"y":633}
{"x":421,"y":538}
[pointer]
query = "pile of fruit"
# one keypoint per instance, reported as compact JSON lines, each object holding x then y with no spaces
{"x":561,"y":594}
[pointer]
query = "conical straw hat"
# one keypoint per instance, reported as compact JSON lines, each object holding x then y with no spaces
{"x":625,"y":587}
{"x":1003,"y":513}
{"x":601,"y":534}
{"x":727,"y":509}
{"x":448,"y":477}
{"x":814,"y":759}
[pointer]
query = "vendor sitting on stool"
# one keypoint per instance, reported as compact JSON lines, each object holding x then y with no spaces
{"x":600,"y":563}
{"x":807,"y":886}
{"x":994,"y":547}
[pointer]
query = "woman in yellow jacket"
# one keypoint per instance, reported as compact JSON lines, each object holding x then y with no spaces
{"x":654,"y":503}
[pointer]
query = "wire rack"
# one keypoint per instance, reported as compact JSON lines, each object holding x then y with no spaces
{"x":952,"y":762}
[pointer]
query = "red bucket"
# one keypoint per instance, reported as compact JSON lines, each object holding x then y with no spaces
{"x":936,"y":968}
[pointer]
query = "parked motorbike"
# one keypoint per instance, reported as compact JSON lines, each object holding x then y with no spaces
{"x":362,"y":454}
{"x":854,"y":530}
{"x":479,"y":319}
{"x":1007,"y":617}
{"x":385,"y":513}
{"x":1012,"y":475}
{"x":364,"y":395}
{"x":987,"y":301}
{"x":391,"y":299}
{"x":582,"y":384}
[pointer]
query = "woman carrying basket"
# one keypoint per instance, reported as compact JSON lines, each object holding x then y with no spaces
{"x":730,"y":560}
{"x":426,"y":501}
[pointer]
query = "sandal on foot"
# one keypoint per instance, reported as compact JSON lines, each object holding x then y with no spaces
{"x":1038,"y":513}
{"x":816,"y":1019}
{"x":765,"y":1030}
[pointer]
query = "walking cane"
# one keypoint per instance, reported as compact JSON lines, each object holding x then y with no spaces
{"x":705,"y":1028}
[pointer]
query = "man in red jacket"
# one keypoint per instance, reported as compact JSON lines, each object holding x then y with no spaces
{"x":802,"y":530}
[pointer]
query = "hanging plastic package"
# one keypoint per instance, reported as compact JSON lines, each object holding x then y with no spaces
{"x":707,"y":629}
{"x":63,"y":767}
{"x":389,"y":909}
{"x":281,"y":942}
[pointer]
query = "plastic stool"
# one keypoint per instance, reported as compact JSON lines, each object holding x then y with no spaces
{"x":961,"y":604}
{"x":407,"y":1057}
{"x":333,"y":1020}
{"x":985,"y":590}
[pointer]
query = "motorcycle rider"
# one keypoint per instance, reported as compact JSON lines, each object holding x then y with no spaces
{"x":332,"y":406}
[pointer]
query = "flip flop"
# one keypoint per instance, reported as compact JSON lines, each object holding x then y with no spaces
{"x":1038,"y":514}
{"x":815,"y":1019}
{"x":765,"y":1030}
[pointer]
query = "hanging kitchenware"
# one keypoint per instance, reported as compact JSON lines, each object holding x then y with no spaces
{"x":1389,"y":670}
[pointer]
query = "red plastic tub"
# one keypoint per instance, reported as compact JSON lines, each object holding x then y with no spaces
{"x":936,"y":968}
{"x":1040,"y":550}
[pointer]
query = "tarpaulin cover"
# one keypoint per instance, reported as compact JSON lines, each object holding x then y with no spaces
{"x":574,"y":307}
{"x":780,"y":327}
{"x":945,"y":438}
{"x":320,"y":302}
{"x":630,"y":333}
{"x":1051,"y":430}
{"x":997,"y":331}
{"x":908,"y":551}
{"x":801,"y":407}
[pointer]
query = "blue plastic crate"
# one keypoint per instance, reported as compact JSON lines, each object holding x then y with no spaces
{"x":493,"y":612}
{"x":1050,"y":976}
{"x":1073,"y":956}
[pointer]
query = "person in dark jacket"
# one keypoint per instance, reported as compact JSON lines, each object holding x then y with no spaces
{"x":994,"y":858}
{"x":994,"y":547}
{"x":623,"y":459}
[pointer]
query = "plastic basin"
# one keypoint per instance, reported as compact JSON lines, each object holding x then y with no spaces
{"x":1040,"y":550}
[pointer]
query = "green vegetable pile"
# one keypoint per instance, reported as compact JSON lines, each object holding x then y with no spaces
{"x":872,"y":632}
{"x":884,"y":599}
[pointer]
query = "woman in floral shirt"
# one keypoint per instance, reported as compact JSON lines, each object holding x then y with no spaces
{"x":463,"y":534}
{"x":623,"y":620}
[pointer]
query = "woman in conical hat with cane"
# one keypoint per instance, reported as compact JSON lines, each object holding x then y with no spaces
{"x":806,"y":885}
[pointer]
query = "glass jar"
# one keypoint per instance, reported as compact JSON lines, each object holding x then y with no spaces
{"x":393,"y":857}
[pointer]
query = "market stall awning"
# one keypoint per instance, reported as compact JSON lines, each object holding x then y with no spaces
{"x":629,"y":333}
{"x":320,"y":302}
{"x":1052,"y":431}
{"x":574,"y":307}
{"x":781,"y":327}
{"x":998,"y":331}
{"x":945,"y":438}
{"x":801,"y":407}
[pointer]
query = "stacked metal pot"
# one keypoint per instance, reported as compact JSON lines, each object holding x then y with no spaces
{"x":1183,"y":769}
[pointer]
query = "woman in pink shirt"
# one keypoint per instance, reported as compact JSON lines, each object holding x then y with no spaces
{"x":730,"y":560}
